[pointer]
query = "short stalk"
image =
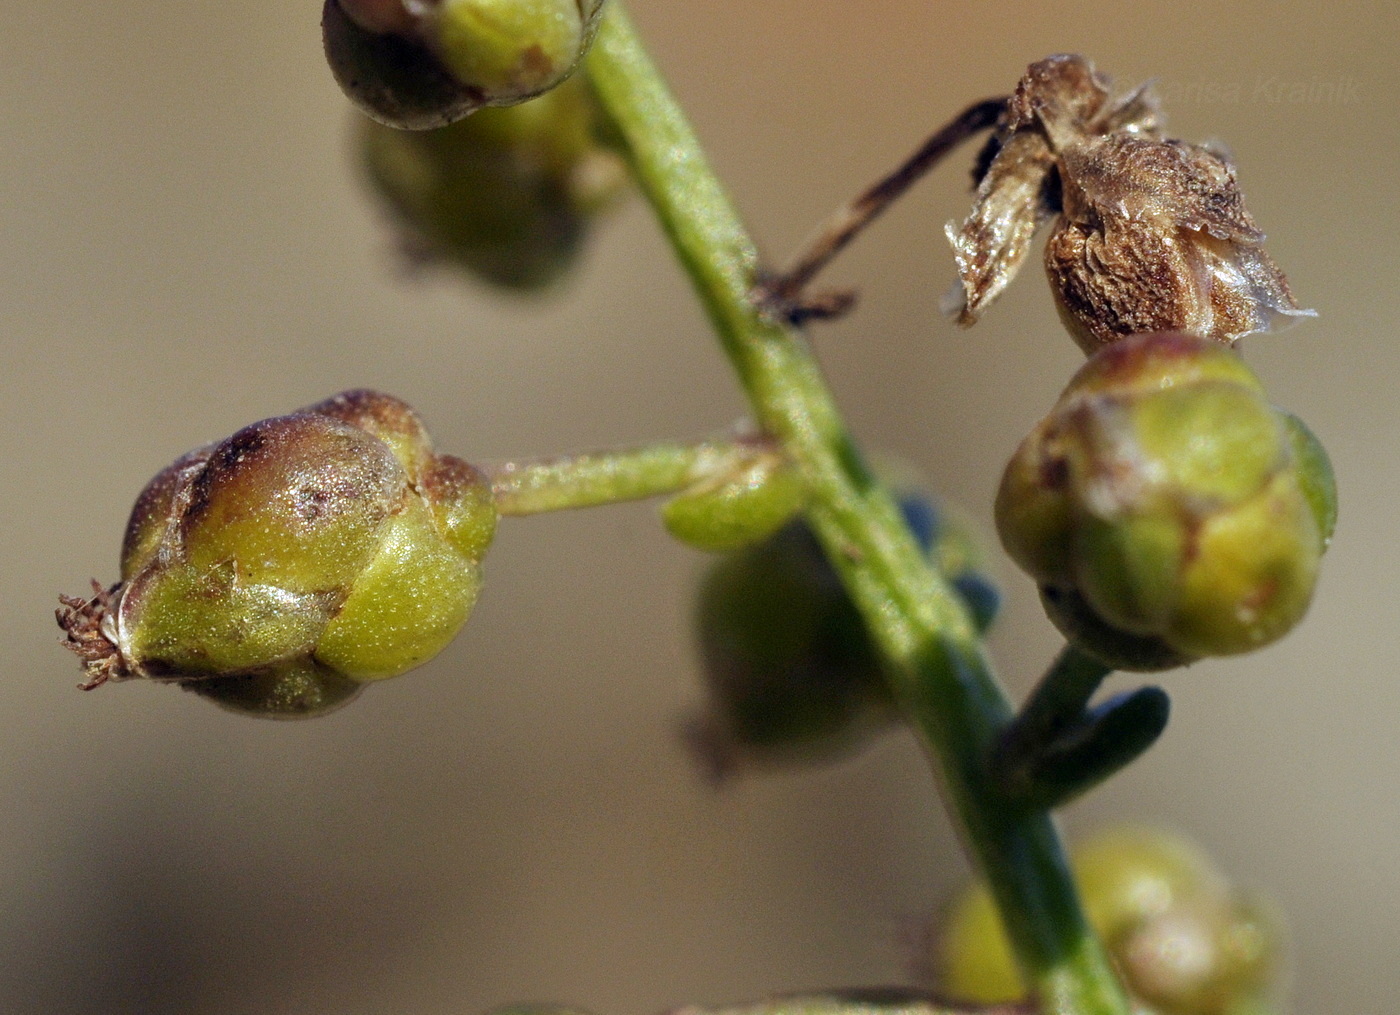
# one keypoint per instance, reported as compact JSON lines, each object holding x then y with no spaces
{"x":606,"y":477}
{"x":1058,"y":747}
{"x":937,"y":667}
{"x":1058,"y":701}
{"x":832,"y":236}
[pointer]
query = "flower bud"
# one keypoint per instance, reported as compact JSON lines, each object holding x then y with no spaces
{"x":512,"y":50}
{"x":417,"y":64}
{"x":791,"y":673}
{"x":508,"y":194}
{"x":1167,"y":511}
{"x":280,"y":569}
{"x":748,"y":500}
{"x":1185,"y":941}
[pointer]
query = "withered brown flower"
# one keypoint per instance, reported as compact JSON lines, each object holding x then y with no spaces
{"x":1150,"y":234}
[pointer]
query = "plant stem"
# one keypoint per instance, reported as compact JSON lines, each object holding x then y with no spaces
{"x":833,"y":235}
{"x":884,"y":1001}
{"x":936,"y":664}
{"x":604,"y":477}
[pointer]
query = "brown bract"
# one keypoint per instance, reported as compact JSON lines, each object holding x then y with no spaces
{"x":1150,"y":234}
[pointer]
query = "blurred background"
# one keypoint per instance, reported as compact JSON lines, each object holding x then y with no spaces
{"x":188,"y":248}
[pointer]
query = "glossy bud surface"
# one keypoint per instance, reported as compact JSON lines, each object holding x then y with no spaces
{"x":278,"y":570}
{"x":420,"y":64}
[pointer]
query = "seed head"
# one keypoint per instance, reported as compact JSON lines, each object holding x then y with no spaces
{"x":1149,"y":234}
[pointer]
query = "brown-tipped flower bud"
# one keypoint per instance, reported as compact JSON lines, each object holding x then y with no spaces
{"x":1165,"y":508}
{"x":1151,"y":234}
{"x":1184,"y":939}
{"x":417,"y":64}
{"x":509,"y":194}
{"x":280,"y":569}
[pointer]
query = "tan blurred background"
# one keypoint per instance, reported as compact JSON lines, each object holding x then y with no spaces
{"x":186,"y":249}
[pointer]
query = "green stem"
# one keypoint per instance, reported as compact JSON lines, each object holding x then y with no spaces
{"x":936,"y":664}
{"x":1058,"y":701}
{"x":881,"y":1001}
{"x":605,"y":477}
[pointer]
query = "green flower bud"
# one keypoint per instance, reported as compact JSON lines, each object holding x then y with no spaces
{"x":1167,"y":511}
{"x":418,"y":65}
{"x":1184,"y":939}
{"x":791,"y":673}
{"x":280,"y":569}
{"x":508,"y":194}
{"x":748,"y":501}
{"x":512,"y":50}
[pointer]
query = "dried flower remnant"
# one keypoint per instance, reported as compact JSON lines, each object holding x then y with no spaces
{"x":1150,"y":234}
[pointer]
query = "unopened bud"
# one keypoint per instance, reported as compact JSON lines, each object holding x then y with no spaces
{"x":417,"y":64}
{"x":278,"y":570}
{"x":1167,"y":511}
{"x":791,"y":672}
{"x":746,"y":501}
{"x":509,"y":194}
{"x":511,"y":50}
{"x":1203,"y":955}
{"x":1185,"y":941}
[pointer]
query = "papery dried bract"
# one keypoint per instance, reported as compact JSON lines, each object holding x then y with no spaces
{"x":1152,"y":234}
{"x":1012,"y":204}
{"x":1016,"y":193}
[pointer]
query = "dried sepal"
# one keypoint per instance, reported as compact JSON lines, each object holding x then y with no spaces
{"x":1152,"y":233}
{"x":1017,"y":180}
{"x":1012,"y":204}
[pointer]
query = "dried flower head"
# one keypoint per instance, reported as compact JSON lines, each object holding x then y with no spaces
{"x":1150,"y":234}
